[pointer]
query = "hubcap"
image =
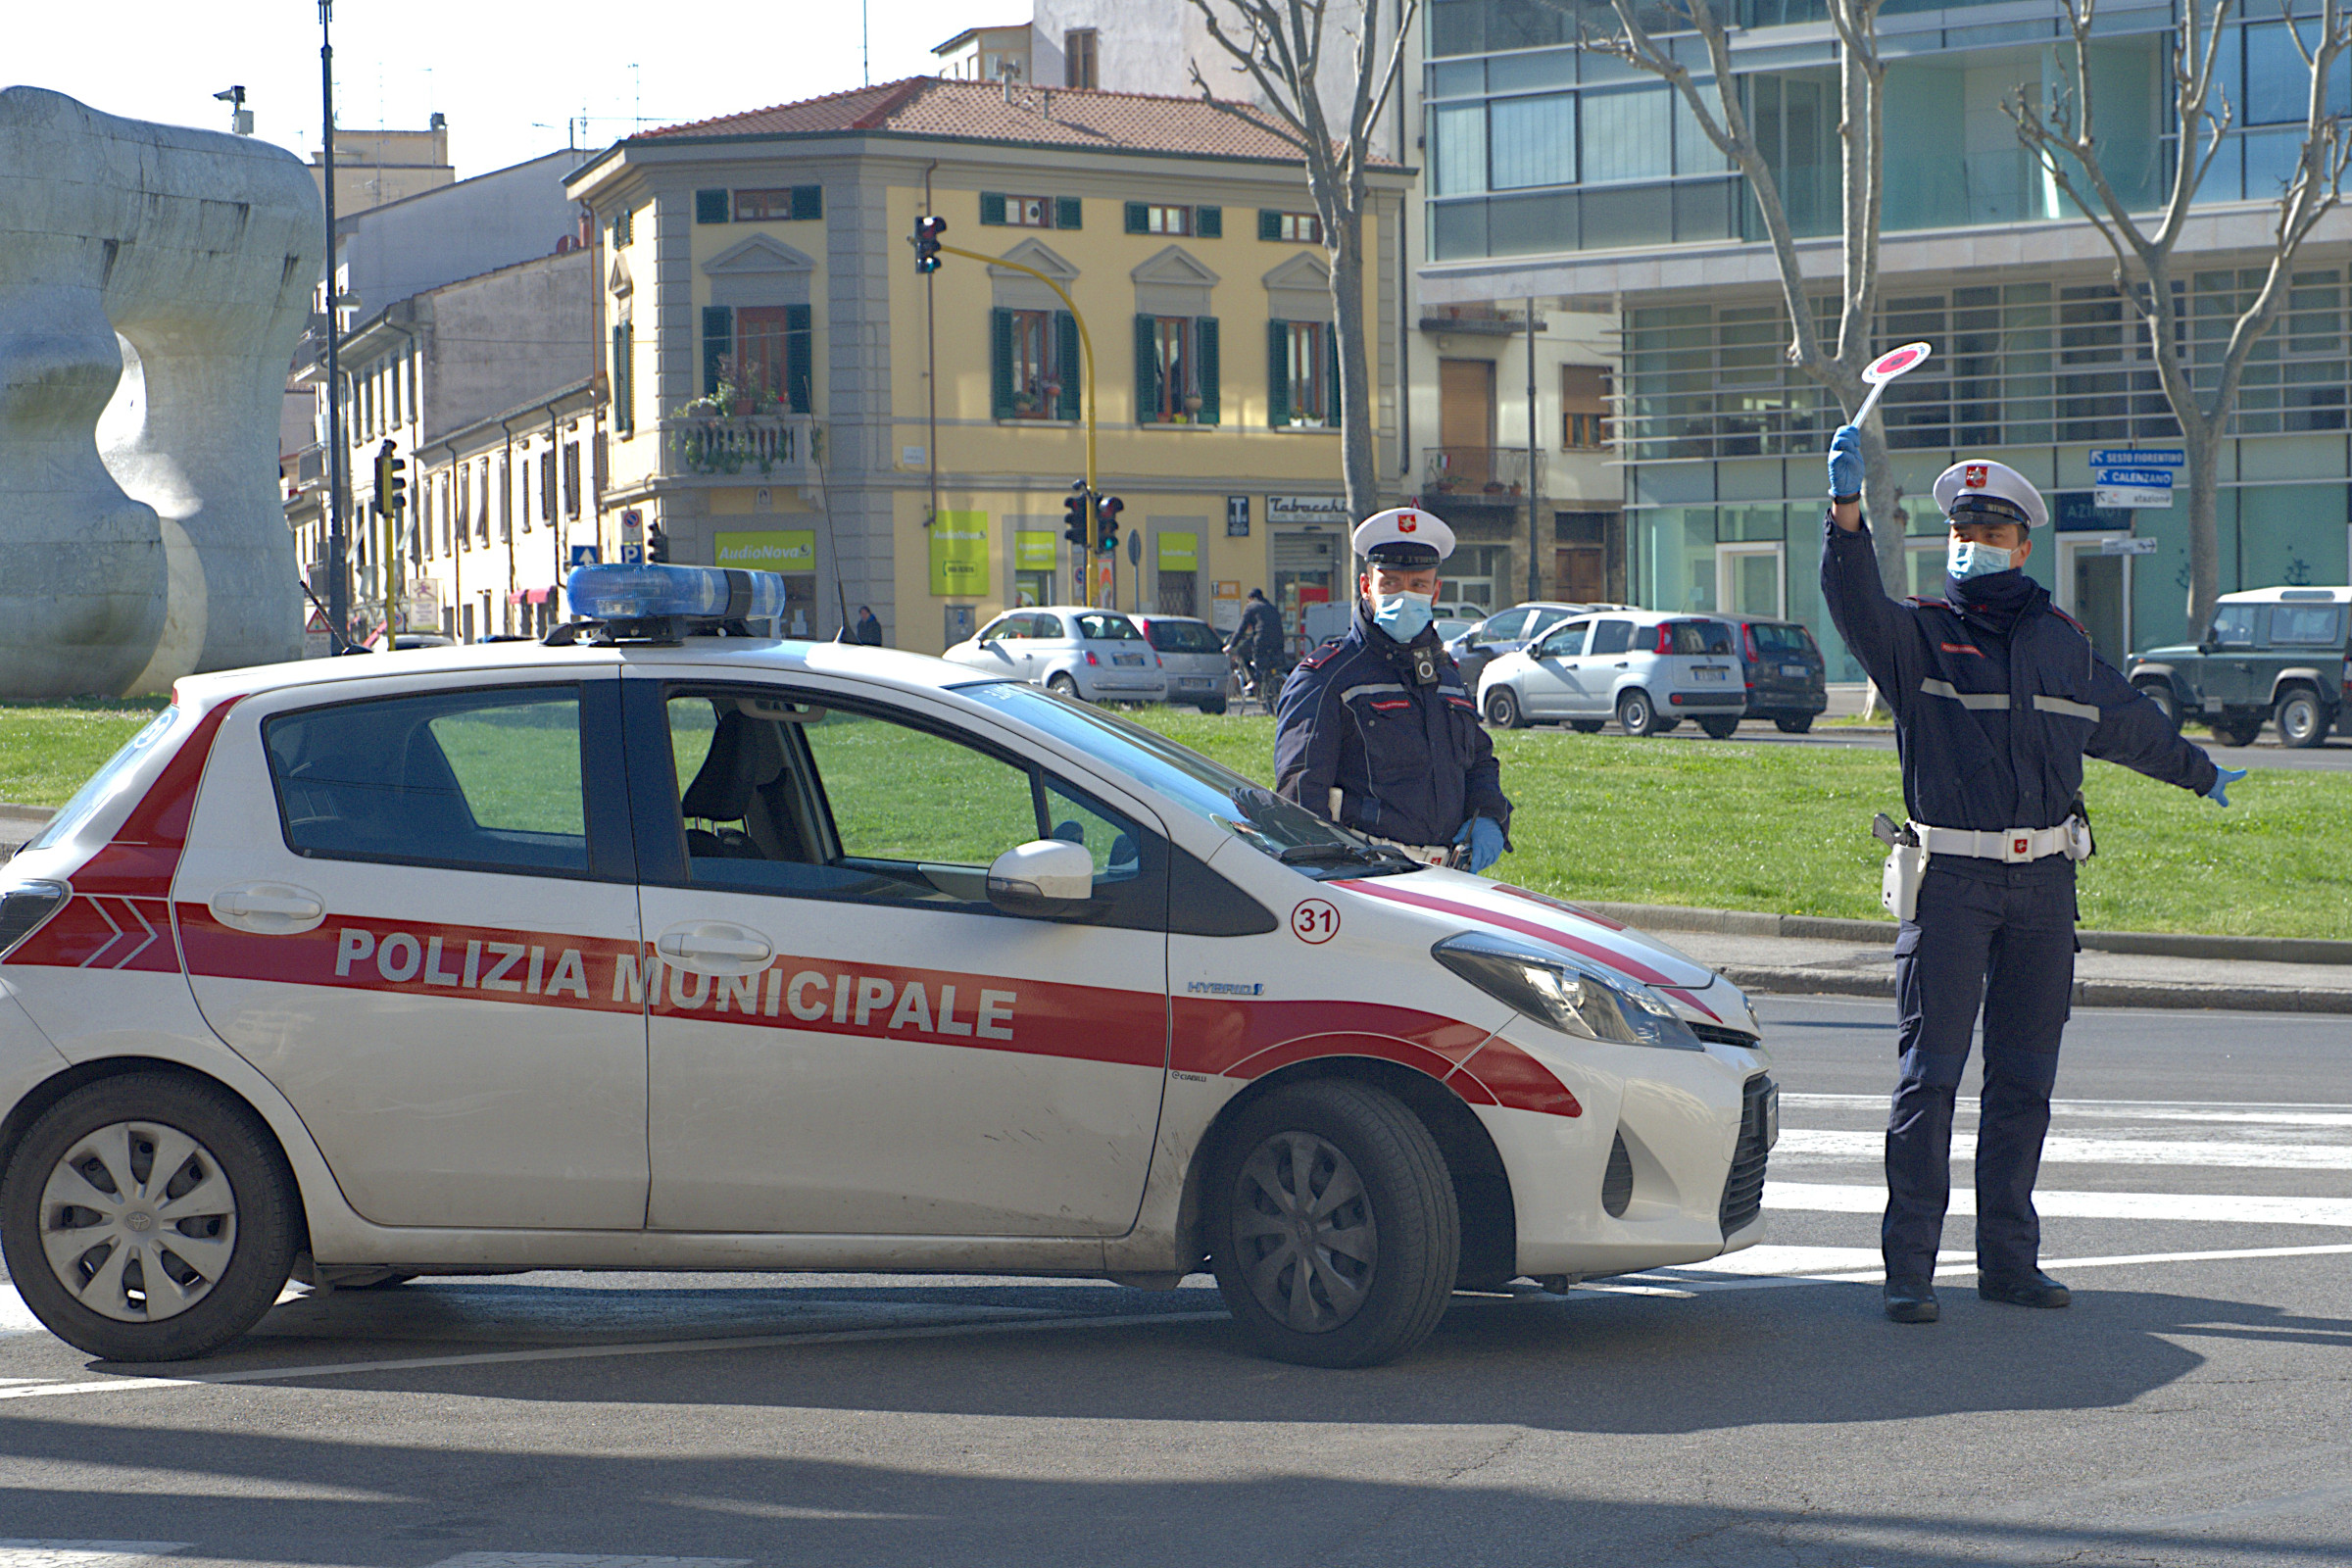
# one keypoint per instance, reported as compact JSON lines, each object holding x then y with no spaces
{"x":2298,"y":718}
{"x":1304,"y":1230}
{"x":138,"y":1221}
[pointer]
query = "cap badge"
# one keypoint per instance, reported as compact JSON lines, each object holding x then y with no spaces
{"x":1974,"y":475}
{"x":1408,"y":523}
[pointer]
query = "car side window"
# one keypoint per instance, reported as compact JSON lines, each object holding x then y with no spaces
{"x":1566,"y":643}
{"x":1047,"y":627}
{"x":1612,"y":636}
{"x":1503,"y":628}
{"x":2306,"y":625}
{"x":2234,"y":626}
{"x":998,"y":629}
{"x":488,"y":780}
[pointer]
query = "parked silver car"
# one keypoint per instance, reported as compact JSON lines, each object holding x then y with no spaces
{"x":1097,"y":654}
{"x":1648,"y":669}
{"x":1506,"y":632}
{"x":1193,"y":658}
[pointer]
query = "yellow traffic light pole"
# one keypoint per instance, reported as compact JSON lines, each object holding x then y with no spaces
{"x":1086,"y":346}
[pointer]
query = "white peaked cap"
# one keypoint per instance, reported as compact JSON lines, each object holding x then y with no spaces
{"x":1979,"y":479}
{"x":1402,"y":526}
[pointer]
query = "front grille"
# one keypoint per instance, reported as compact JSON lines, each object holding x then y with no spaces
{"x":1617,"y":1182}
{"x":1743,"y":1187}
{"x":1717,"y":1034}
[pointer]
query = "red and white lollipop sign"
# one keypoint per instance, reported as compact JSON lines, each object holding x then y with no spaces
{"x":1884,"y":368}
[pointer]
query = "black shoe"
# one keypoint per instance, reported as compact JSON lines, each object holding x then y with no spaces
{"x":1911,"y":1301}
{"x":2026,"y":1290}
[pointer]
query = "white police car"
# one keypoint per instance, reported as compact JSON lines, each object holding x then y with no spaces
{"x":652,"y":948}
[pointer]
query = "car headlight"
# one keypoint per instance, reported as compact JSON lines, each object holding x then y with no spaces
{"x":1575,"y":997}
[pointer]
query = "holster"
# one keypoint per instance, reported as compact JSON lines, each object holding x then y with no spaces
{"x":1898,"y":884}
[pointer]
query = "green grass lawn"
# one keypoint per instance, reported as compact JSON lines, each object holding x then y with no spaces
{"x":47,"y":749}
{"x":1716,"y":824}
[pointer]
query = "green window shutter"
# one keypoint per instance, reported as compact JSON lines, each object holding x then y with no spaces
{"x":1146,"y":367}
{"x":1278,"y":373}
{"x":1204,"y":361}
{"x":710,"y":205}
{"x":1331,"y":371}
{"x":718,"y":341}
{"x":800,"y":359}
{"x":1000,"y":364}
{"x":1065,"y":345}
{"x":992,"y":208}
{"x":1068,"y":211}
{"x":808,"y":202}
{"x":1269,"y":224}
{"x":622,"y":419}
{"x":1208,"y":221}
{"x":1139,"y":218}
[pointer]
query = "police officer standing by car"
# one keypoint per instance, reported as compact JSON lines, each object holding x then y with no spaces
{"x":1997,"y":698}
{"x":1377,"y":730}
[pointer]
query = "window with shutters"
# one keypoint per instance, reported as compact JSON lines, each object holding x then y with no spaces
{"x":1159,"y":218}
{"x":1029,"y":212}
{"x":1303,"y":229}
{"x":773,"y":359}
{"x":1081,"y":58}
{"x":571,"y":478}
{"x":1176,"y":369}
{"x":1584,"y":408}
{"x":1302,"y":377}
{"x":625,"y":228}
{"x":785,"y":204}
{"x":624,"y":381}
{"x":547,"y":485}
{"x":710,"y":205}
{"x":1033,"y":365}
{"x":1000,"y":210}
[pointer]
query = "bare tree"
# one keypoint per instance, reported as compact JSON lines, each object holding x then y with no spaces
{"x":2060,"y":135}
{"x":1279,"y":44}
{"x":1720,"y":115}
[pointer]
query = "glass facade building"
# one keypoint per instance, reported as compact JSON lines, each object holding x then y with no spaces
{"x":1554,"y":169}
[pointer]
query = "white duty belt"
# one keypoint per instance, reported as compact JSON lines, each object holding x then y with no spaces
{"x":2011,"y":844}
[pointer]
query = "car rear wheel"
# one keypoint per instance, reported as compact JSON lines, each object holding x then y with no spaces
{"x":1635,"y":715}
{"x":1333,"y":1229}
{"x":2159,"y":692}
{"x":2236,"y":730}
{"x":1721,"y":728}
{"x":148,"y":1218}
{"x":1794,"y":727}
{"x":1502,"y":708}
{"x":1062,"y":685}
{"x":2302,"y":722}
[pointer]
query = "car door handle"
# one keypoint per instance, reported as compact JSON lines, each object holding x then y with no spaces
{"x":714,"y":946}
{"x":269,"y":908}
{"x":1621,"y":665}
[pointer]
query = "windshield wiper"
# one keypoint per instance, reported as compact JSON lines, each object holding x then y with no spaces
{"x":1355,"y":854}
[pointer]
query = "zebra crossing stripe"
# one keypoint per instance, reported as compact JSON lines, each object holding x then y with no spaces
{"x":558,"y":1559}
{"x":34,"y":1553}
{"x":1835,"y":1197}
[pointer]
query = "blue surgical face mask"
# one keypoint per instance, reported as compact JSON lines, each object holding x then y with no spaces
{"x":1403,"y":617}
{"x":1965,"y":559}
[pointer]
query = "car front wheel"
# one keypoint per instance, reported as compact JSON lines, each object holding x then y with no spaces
{"x":1333,"y":1229}
{"x":1796,"y":725}
{"x":1635,"y":715}
{"x":1586,"y":726}
{"x":2301,"y":721}
{"x":1502,"y":708}
{"x":148,"y":1217}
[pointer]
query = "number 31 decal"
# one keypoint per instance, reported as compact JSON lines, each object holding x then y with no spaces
{"x":1314,"y":922}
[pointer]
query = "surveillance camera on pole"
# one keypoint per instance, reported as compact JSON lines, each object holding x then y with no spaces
{"x":240,"y":119}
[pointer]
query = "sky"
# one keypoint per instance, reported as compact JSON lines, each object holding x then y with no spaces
{"x":509,"y":75}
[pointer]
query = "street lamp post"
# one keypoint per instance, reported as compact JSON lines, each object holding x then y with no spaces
{"x":338,"y":588}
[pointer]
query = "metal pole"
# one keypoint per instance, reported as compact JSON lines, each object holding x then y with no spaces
{"x":1535,"y":576}
{"x":338,"y":579}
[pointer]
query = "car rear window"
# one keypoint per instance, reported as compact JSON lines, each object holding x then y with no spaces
{"x":1102,"y":627}
{"x":1701,"y":636}
{"x":1779,"y":637}
{"x":2307,"y":626}
{"x":1184,"y":637}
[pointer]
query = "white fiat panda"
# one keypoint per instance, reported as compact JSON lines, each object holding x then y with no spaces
{"x":654,"y":948}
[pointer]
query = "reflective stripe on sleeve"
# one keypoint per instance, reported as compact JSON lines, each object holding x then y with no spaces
{"x":2059,"y":705}
{"x":1944,"y":688}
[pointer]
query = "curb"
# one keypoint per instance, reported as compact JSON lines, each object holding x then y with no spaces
{"x":2088,"y":992}
{"x":1827,"y":928}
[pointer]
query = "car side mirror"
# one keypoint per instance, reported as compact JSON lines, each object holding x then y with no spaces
{"x":1041,"y":879}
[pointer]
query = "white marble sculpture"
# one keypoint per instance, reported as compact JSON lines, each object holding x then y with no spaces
{"x":153,"y":282}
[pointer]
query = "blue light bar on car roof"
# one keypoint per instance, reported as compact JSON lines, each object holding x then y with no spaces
{"x":642,"y":592}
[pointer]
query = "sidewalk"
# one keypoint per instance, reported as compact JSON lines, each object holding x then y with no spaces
{"x":1799,"y":956}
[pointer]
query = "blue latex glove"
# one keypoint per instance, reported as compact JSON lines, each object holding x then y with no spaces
{"x":2219,"y":794}
{"x":1845,"y":462}
{"x":1484,"y":835}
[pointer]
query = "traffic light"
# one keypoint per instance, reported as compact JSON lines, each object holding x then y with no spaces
{"x":391,"y":488}
{"x":1108,"y":510}
{"x":1074,"y":519}
{"x":657,"y":542}
{"x":927,"y":230}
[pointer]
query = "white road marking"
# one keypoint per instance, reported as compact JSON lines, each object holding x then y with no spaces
{"x":2280,"y":1113}
{"x":558,"y":1559}
{"x":23,"y":1553}
{"x":15,"y":1316}
{"x":1682,"y":1283}
{"x":1831,"y":1198}
{"x":2061,"y":1149}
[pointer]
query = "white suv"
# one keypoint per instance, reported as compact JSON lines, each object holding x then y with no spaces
{"x":1647,"y":671}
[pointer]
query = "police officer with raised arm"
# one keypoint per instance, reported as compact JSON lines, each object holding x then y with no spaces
{"x":1997,"y":698}
{"x":1377,"y":730}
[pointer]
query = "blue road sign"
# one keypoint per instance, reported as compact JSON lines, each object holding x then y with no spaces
{"x":584,"y":555}
{"x":632,"y":555}
{"x":2139,"y":458}
{"x":2140,"y":478}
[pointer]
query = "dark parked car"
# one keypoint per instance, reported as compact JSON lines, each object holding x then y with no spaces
{"x":1787,"y":679}
{"x":2281,"y":653}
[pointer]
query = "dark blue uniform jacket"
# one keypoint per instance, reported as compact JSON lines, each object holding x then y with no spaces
{"x":1992,"y":720}
{"x":1410,"y":762}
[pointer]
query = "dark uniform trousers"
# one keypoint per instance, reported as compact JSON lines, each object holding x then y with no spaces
{"x":2003,"y":935}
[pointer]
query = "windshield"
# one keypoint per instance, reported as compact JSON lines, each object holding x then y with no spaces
{"x":1185,"y":637}
{"x":1250,"y":813}
{"x":1096,"y":626}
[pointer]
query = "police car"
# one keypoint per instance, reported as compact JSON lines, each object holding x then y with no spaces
{"x":658,"y":945}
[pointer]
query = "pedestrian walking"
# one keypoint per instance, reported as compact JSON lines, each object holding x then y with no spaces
{"x":1997,"y":698}
{"x":1377,"y":731}
{"x":870,"y":626}
{"x":1260,"y":641}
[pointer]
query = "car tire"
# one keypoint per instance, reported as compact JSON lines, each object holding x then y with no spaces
{"x":1216,"y":705}
{"x":1504,"y":710}
{"x":1637,"y":715}
{"x":2302,"y":722}
{"x":1794,"y":727}
{"x":2236,"y":731}
{"x":2159,"y":692}
{"x":1061,"y":684}
{"x":1722,"y":729}
{"x":1356,"y":1309}
{"x":1588,"y":726}
{"x":236,"y":1241}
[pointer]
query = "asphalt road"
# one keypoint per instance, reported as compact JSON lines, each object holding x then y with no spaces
{"x":2190,"y":1408}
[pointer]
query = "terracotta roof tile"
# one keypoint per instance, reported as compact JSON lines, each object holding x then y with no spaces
{"x":1070,"y":116}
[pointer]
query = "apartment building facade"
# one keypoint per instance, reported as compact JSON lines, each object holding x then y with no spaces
{"x":1556,"y":170}
{"x":789,"y":392}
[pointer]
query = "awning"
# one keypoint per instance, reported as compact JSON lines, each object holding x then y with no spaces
{"x":537,"y":596}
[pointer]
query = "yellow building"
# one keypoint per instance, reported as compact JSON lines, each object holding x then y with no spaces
{"x":788,"y":392}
